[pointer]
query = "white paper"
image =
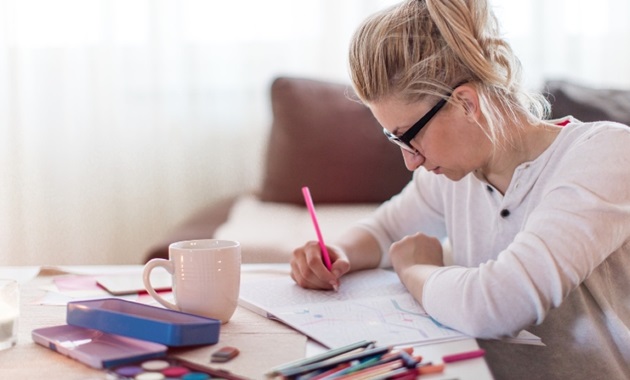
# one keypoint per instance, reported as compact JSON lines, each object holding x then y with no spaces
{"x":371,"y":305}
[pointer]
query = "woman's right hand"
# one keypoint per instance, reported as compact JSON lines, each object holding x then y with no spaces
{"x":309,"y":271}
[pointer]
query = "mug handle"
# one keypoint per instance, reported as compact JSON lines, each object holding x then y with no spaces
{"x":146,"y":278}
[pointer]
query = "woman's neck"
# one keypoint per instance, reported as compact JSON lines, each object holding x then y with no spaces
{"x":528,"y":145}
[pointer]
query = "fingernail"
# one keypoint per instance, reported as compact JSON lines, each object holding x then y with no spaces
{"x":335,"y":285}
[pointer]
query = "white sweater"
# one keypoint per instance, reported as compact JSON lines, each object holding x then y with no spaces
{"x":551,"y":256}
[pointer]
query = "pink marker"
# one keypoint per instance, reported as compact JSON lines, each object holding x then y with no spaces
{"x":311,"y":209}
{"x":464,"y":356}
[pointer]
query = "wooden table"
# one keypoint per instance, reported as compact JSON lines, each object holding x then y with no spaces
{"x":263,"y":343}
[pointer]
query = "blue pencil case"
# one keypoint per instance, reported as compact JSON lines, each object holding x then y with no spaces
{"x":140,"y":321}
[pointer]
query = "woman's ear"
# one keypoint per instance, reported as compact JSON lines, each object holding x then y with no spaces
{"x":468,"y":97}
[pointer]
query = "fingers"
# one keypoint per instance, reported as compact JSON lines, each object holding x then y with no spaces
{"x":339,"y":268}
{"x":416,"y":249}
{"x":308,"y":269}
{"x":302,"y":277}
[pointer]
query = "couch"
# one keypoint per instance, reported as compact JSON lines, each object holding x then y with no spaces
{"x":323,"y":138}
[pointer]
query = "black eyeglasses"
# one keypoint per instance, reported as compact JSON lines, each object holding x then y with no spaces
{"x":404,"y":141}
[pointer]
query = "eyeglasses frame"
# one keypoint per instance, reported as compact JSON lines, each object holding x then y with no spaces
{"x":404,"y":140}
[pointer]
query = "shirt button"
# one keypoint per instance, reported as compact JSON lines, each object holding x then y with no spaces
{"x":490,"y":189}
{"x":505,"y":213}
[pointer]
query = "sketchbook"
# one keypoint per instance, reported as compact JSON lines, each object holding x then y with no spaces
{"x":369,"y":305}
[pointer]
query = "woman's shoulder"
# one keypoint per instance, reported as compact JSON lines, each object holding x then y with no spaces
{"x":591,"y":152}
{"x":607,"y":137}
{"x":575,"y":128}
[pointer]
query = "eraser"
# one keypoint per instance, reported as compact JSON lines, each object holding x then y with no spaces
{"x":224,"y":354}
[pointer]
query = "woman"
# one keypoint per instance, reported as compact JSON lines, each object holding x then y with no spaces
{"x":536,"y":212}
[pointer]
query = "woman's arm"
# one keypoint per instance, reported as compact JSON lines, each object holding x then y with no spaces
{"x":415,"y":258}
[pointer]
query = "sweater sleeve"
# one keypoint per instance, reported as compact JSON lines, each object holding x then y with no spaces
{"x":581,"y":220}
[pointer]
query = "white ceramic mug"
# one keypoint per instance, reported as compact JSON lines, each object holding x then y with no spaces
{"x":206,"y":277}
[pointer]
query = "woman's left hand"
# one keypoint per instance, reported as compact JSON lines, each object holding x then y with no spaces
{"x":416,"y":249}
{"x":414,"y":258}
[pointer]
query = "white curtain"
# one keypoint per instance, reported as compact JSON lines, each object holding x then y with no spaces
{"x":118,"y":118}
{"x":583,"y":41}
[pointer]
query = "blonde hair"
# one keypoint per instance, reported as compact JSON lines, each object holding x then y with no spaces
{"x":422,"y":48}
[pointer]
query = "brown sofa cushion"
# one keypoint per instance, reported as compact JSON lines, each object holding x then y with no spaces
{"x":322,"y":139}
{"x":200,"y":225}
{"x":588,"y":104}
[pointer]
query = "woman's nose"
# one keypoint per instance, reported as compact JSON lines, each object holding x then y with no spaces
{"x":412,"y":160}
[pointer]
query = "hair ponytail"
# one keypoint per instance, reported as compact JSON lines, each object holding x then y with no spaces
{"x":471,"y":31}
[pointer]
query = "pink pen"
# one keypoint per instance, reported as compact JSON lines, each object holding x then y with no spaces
{"x":464,"y":356}
{"x":311,"y":209}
